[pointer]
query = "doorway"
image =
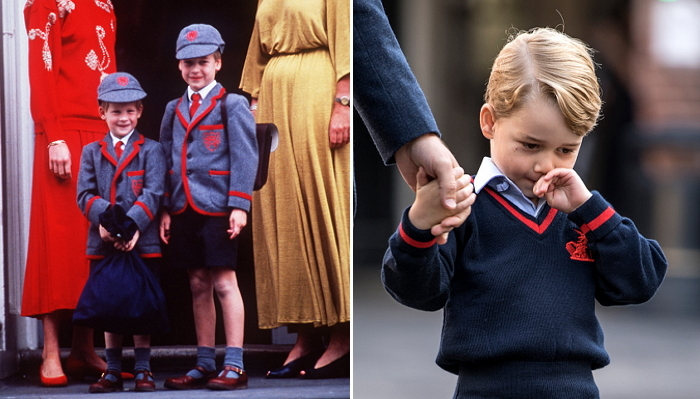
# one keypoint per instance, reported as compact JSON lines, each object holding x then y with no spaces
{"x":146,"y":34}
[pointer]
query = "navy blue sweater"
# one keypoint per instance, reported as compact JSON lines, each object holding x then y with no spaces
{"x":515,"y":288}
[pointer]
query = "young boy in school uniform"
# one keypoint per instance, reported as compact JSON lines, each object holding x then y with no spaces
{"x":518,"y":281}
{"x":212,"y":163}
{"x":128,"y":170}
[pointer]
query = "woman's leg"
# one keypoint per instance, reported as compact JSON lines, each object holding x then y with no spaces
{"x":308,"y":340}
{"x":338,"y":345}
{"x":51,"y":355}
{"x":83,"y":347}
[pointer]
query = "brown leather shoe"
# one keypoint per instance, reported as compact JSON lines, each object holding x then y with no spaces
{"x":187,"y":382}
{"x":103,"y":385}
{"x":144,"y":384}
{"x":224,"y":383}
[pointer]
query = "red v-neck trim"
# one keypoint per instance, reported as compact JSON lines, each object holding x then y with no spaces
{"x":538,"y":228}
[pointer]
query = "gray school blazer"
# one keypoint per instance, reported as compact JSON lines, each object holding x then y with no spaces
{"x":211,"y":168}
{"x":136,"y":182}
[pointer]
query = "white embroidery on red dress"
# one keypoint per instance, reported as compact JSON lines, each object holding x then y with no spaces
{"x":64,"y":7}
{"x":28,"y":3}
{"x":93,"y":61}
{"x":105,"y":5}
{"x":44,"y":34}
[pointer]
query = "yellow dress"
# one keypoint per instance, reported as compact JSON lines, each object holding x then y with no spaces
{"x":301,"y":217}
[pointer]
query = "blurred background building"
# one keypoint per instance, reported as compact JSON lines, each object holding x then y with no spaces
{"x":644,"y":157}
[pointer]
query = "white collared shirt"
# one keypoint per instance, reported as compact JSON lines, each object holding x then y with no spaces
{"x":205,"y":90}
{"x":490,"y":175}
{"x":124,"y":139}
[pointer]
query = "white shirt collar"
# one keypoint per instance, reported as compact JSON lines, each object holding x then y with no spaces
{"x":490,"y":175}
{"x":205,"y":90}
{"x":124,"y":139}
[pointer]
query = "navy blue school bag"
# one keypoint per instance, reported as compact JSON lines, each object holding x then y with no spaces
{"x":122,"y":296}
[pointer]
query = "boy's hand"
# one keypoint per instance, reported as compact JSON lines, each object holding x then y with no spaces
{"x":563,"y":189}
{"x":127,"y":246}
{"x":428,"y":211}
{"x":165,"y":226}
{"x":237,"y":221}
{"x":106,"y":235}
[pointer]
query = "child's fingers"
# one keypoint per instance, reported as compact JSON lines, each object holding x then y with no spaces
{"x":541,"y":186}
{"x":421,"y":178}
{"x":463,"y":181}
{"x":442,"y":238}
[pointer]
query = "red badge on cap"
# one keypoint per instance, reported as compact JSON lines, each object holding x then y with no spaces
{"x":123,"y":80}
{"x":191,"y":35}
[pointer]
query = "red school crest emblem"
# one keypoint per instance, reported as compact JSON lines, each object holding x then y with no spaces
{"x":579,"y":249}
{"x":137,"y":186}
{"x":191,"y":35}
{"x":212,"y":139}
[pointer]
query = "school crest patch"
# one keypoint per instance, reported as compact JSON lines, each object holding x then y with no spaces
{"x":212,"y":139}
{"x":137,"y":186}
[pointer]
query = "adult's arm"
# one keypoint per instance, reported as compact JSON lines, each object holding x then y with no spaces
{"x":386,"y":93}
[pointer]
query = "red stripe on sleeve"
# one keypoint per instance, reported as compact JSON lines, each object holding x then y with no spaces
{"x":145,"y":208}
{"x":240,"y":194}
{"x":602,"y":218}
{"x":89,"y":205}
{"x":410,"y":241}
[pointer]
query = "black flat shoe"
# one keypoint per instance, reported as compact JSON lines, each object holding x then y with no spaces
{"x":293,"y":368}
{"x":338,"y":368}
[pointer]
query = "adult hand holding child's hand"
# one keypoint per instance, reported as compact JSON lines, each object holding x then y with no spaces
{"x":428,"y":211}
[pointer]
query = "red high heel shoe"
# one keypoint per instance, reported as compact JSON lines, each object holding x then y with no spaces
{"x":60,"y":381}
{"x":79,"y":369}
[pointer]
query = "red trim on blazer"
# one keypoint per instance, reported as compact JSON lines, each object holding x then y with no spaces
{"x":183,"y":162}
{"x":240,"y":194}
{"x":179,"y":114}
{"x":538,"y":228}
{"x":145,"y":208}
{"x":219,"y":172}
{"x":106,"y":154}
{"x":89,"y":205}
{"x":149,"y":256}
{"x":124,"y":162}
{"x":414,"y":243}
{"x":211,"y":127}
{"x":136,"y":173}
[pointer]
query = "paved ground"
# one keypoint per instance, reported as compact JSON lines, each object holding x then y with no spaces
{"x":655,"y":348}
{"x":173,"y":361}
{"x":258,"y":387}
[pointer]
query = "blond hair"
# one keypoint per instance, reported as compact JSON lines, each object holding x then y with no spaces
{"x":549,"y":63}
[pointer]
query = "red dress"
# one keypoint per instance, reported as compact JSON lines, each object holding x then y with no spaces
{"x":71,"y":47}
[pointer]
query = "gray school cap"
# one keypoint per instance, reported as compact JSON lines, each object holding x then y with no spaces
{"x":198,"y":40}
{"x":120,"y":87}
